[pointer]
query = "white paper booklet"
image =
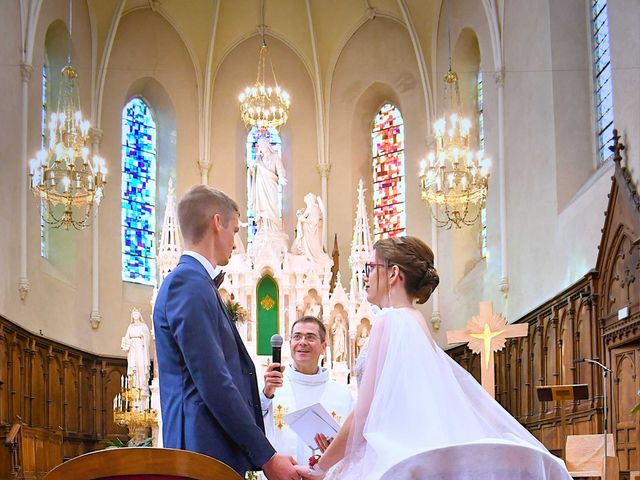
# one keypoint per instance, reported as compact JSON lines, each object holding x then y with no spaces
{"x":309,"y":421}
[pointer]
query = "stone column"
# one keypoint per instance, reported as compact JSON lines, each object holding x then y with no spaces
{"x":23,"y":286}
{"x":323,"y":170}
{"x":504,"y":280}
{"x":435,"y":314}
{"x":95,"y":136}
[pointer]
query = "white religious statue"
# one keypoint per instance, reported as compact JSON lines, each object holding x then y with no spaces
{"x":303,"y":383}
{"x":311,"y":230}
{"x":339,"y":339}
{"x":264,"y":177}
{"x":362,"y":335}
{"x":313,"y":308}
{"x":136,"y":344}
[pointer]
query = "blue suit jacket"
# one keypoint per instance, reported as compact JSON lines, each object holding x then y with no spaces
{"x":208,"y":387}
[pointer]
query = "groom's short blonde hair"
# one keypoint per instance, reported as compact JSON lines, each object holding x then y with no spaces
{"x":198,"y":206}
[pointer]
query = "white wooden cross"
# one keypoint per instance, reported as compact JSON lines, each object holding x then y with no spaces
{"x":486,"y":334}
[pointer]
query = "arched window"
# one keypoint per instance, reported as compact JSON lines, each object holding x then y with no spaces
{"x":138,"y":193}
{"x":387,"y":149}
{"x":252,"y":149}
{"x":602,"y":77}
{"x":483,"y":213}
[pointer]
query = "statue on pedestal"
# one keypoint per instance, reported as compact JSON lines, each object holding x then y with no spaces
{"x":313,"y":308}
{"x":339,"y":339}
{"x":265,"y":175}
{"x":310,"y":230}
{"x":136,"y":344}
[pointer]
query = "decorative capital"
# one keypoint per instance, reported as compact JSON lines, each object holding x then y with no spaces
{"x":204,"y":166}
{"x":499,"y":77}
{"x":154,"y":5}
{"x":504,"y":286}
{"x":25,"y":71}
{"x":324,"y":169}
{"x":371,"y":13}
{"x":95,"y":135}
{"x":436,"y":320}
{"x":23,"y":287}
{"x":94,"y":318}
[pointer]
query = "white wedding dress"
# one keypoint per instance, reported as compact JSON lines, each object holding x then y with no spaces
{"x":415,"y":400}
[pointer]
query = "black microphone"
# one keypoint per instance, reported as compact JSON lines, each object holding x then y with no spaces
{"x":276,"y":349}
{"x":579,"y":360}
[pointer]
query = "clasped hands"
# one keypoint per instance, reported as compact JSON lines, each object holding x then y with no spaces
{"x":283,"y":467}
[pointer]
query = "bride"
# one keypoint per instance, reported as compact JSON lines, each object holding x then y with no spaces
{"x":414,"y":399}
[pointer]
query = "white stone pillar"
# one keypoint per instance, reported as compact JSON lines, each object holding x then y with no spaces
{"x":204,"y":166}
{"x":324,"y":169}
{"x":94,"y":317}
{"x":502,"y":178}
{"x":23,"y":286}
{"x":436,"y":320}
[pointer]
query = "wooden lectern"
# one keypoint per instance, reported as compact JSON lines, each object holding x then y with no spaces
{"x":560,"y":393}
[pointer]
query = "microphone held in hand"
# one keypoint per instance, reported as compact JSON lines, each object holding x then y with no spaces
{"x":276,"y":349}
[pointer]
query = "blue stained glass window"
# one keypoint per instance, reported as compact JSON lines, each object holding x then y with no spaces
{"x":252,"y":149}
{"x":138,"y":193}
{"x":44,"y":141}
{"x":387,"y":150}
{"x":602,"y":77}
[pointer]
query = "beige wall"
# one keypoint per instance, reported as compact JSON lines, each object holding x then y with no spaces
{"x":555,"y":193}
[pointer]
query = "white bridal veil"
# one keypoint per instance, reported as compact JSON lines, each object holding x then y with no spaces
{"x":415,"y":400}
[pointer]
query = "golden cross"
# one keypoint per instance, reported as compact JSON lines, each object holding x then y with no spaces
{"x":278,"y":416}
{"x":486,"y":334}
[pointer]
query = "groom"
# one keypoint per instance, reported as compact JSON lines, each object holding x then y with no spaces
{"x":208,"y":388}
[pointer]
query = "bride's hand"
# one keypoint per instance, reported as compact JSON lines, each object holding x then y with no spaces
{"x":307,"y":473}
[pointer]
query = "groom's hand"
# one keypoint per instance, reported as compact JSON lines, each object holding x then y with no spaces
{"x":280,"y":467}
{"x":272,"y":379}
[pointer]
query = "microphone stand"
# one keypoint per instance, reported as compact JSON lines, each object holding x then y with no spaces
{"x":605,"y":371}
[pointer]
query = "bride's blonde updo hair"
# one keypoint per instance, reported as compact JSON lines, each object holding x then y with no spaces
{"x":415,"y":259}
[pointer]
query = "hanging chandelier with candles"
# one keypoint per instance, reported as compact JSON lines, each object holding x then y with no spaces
{"x":263,"y":105}
{"x":63,"y":174}
{"x":454,"y":178}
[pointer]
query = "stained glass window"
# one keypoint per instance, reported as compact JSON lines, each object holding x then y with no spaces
{"x":483,"y":213}
{"x":602,"y":77}
{"x":252,"y":150}
{"x":387,"y":149}
{"x":43,"y":144}
{"x":138,"y":193}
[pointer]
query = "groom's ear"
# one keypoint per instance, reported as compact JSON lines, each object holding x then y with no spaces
{"x":216,"y":222}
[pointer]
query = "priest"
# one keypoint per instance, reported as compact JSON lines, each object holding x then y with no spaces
{"x":302,"y":384}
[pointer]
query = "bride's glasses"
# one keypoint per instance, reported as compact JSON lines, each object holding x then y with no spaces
{"x":369,"y":266}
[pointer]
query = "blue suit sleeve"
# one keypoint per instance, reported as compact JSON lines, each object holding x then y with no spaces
{"x":194,"y":319}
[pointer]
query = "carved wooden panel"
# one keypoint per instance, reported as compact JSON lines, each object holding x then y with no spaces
{"x":625,"y":385}
{"x":55,"y":390}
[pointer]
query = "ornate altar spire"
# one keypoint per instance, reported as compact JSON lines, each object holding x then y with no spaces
{"x":170,"y":247}
{"x":361,"y":245}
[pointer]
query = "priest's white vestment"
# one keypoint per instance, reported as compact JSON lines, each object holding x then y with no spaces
{"x":299,"y":391}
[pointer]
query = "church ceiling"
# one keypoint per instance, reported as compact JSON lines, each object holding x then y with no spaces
{"x":316,"y":30}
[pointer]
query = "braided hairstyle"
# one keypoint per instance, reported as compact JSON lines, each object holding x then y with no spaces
{"x":415,"y":259}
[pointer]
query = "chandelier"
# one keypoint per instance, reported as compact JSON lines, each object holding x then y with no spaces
{"x":454,"y":179}
{"x":62,"y":174}
{"x":263,"y":105}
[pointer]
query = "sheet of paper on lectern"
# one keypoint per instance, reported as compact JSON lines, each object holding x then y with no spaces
{"x":309,"y":421}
